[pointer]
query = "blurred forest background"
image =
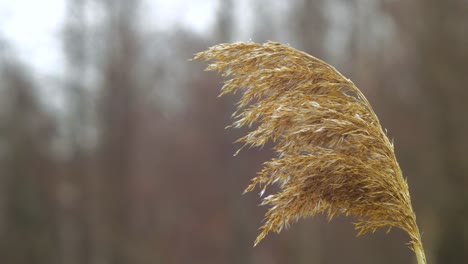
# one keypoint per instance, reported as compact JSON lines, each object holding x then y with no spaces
{"x":133,"y":164}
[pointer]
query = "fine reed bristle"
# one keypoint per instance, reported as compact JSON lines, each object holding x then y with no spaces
{"x":332,"y":155}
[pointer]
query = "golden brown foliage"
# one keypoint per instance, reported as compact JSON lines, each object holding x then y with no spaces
{"x":333,"y":155}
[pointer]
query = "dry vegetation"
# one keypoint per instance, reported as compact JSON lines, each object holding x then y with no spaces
{"x":332,"y":155}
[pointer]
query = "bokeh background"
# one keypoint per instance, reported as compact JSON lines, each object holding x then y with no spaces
{"x":113,"y":148}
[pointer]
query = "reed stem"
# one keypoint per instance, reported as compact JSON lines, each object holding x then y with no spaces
{"x":420,"y":256}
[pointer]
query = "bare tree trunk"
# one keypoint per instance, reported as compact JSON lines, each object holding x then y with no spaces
{"x":67,"y":216}
{"x":442,"y":73}
{"x":97,"y":223}
{"x":3,"y":198}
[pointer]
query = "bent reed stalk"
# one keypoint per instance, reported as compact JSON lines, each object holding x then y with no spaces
{"x":333,"y":156}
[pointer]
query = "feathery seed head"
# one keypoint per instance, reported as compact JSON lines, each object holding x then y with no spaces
{"x":332,"y":155}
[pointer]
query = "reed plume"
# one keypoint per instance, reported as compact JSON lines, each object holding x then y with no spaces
{"x":332,"y":155}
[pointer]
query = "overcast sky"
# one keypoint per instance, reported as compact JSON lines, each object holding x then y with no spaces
{"x":32,"y":27}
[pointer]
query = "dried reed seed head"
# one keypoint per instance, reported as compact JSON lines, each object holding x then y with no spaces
{"x":333,"y":155}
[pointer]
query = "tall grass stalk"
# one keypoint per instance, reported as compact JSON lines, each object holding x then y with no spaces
{"x":333,"y":156}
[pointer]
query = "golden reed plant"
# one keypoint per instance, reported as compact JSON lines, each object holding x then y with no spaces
{"x":333,"y":156}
